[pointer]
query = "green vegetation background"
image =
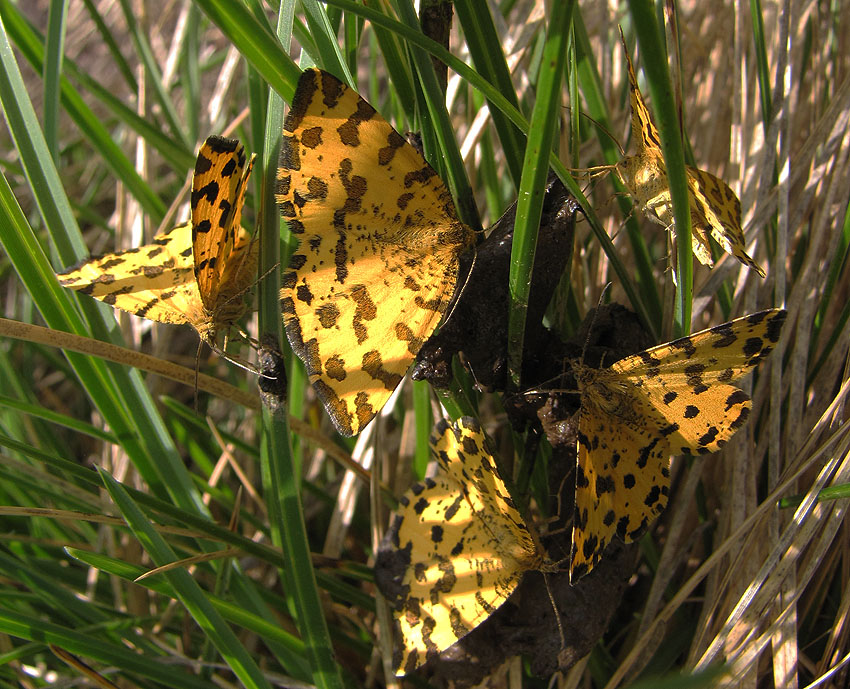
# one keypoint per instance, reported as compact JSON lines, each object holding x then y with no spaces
{"x":107,"y":473}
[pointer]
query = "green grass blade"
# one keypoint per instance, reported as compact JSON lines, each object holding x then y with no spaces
{"x":187,"y":590}
{"x":111,"y":44}
{"x":63,"y":420}
{"x":281,"y":470}
{"x":396,"y":59}
{"x":329,"y":53}
{"x":31,"y":44}
{"x":655,"y":65}
{"x":443,"y":131}
{"x":145,"y":54}
{"x":71,"y":639}
{"x":289,"y":646}
{"x":542,"y":130}
{"x":83,"y":116}
{"x":57,"y":17}
{"x":484,"y":49}
{"x":255,"y":42}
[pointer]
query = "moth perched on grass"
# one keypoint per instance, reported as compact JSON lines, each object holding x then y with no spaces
{"x":672,"y":399}
{"x":196,"y":273}
{"x":379,"y":238}
{"x":715,"y":209}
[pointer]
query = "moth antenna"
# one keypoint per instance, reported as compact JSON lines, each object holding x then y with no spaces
{"x":593,"y":321}
{"x":601,"y":127}
{"x":555,"y":610}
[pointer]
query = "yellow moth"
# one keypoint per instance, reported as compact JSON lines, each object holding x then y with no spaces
{"x":379,"y":238}
{"x":195,"y":273}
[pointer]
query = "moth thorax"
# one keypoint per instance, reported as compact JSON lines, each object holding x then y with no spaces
{"x":451,"y":237}
{"x":609,"y":395}
{"x":532,"y":560}
{"x":644,"y":176}
{"x":457,"y":235}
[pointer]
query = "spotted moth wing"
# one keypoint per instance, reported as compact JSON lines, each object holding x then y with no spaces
{"x":379,"y":238}
{"x":670,"y":399}
{"x":456,"y":549}
{"x":225,"y":255}
{"x":622,"y":482}
{"x":716,"y":210}
{"x":155,"y":281}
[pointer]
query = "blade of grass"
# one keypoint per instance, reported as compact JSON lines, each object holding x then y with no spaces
{"x":154,"y":76}
{"x":256,"y":43}
{"x":90,"y":125}
{"x":112,"y":45}
{"x":63,"y":420}
{"x":542,"y":130}
{"x":290,"y":648}
{"x":190,"y":73}
{"x":57,"y":17}
{"x":31,"y":43}
{"x":489,"y":60}
{"x":281,"y":473}
{"x":424,"y":424}
{"x":187,"y":590}
{"x":24,"y":626}
{"x":438,"y":120}
{"x":329,"y":53}
{"x":396,"y":60}
{"x":658,"y":78}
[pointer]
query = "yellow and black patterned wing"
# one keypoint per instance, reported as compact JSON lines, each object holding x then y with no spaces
{"x":225,"y":256}
{"x":671,"y":399}
{"x":194,"y":273}
{"x":686,"y":380}
{"x":155,"y":281}
{"x":622,"y":475}
{"x":379,"y":245}
{"x":456,"y":548}
{"x":646,"y":136}
{"x":716,"y":210}
{"x":483,"y":488}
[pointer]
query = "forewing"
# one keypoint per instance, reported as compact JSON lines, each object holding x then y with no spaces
{"x":462,"y":453}
{"x":218,"y":195}
{"x":379,"y":244}
{"x":686,"y":381}
{"x":155,"y":281}
{"x":622,"y":482}
{"x":643,"y":130}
